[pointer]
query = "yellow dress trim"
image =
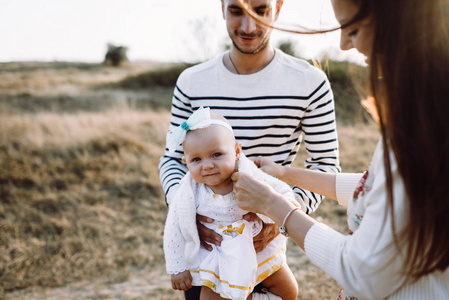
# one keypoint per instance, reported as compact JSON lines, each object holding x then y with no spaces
{"x":270,"y":258}
{"x":264,"y":275}
{"x":211,"y":284}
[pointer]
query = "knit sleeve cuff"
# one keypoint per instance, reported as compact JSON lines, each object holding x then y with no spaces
{"x":345,"y":185}
{"x":319,"y":239}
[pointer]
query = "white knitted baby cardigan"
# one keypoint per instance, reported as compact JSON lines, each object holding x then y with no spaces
{"x":181,"y":239}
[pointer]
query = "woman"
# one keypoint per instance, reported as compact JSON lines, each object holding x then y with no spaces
{"x":397,"y":210}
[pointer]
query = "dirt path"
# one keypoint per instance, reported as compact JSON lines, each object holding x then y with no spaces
{"x":140,"y":285}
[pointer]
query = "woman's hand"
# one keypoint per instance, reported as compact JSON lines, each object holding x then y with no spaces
{"x":257,"y":196}
{"x":182,"y":281}
{"x":315,"y":181}
{"x":269,"y":167}
{"x":252,"y":194}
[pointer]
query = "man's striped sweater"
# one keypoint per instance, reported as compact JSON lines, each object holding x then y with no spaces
{"x":271,"y":112}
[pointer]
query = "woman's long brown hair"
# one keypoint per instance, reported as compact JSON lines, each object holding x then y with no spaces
{"x":411,"y":48}
{"x":411,"y":51}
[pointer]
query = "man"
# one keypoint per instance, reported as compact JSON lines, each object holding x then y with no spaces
{"x":271,"y":99}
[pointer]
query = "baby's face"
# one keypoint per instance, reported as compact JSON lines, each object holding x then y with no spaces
{"x":210,"y":155}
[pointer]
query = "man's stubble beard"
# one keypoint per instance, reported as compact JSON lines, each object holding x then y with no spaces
{"x":261,"y":46}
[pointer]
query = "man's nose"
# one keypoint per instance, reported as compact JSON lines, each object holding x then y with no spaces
{"x":248,"y":24}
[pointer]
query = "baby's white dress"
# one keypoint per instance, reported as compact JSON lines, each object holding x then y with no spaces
{"x":233,"y":269}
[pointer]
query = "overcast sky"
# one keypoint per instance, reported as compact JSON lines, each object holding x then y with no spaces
{"x":170,"y":30}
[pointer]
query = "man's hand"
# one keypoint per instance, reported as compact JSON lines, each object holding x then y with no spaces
{"x":181,"y":281}
{"x":207,"y":235}
{"x":265,"y":236}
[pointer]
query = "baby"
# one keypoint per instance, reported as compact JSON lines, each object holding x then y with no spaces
{"x":229,"y":271}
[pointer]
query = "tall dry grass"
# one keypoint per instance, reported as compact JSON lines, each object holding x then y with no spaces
{"x":81,"y":207}
{"x":80,"y":196}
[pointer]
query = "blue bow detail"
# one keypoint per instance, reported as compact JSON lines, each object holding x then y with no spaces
{"x":178,"y":135}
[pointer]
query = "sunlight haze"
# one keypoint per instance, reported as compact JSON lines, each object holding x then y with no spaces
{"x":171,"y":31}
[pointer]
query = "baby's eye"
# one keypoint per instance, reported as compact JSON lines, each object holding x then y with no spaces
{"x":196,"y":159}
{"x":217,"y":154}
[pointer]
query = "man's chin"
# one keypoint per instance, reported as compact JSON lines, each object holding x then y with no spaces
{"x":249,"y":50}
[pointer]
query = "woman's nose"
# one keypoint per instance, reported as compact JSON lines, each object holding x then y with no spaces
{"x":345,"y":43}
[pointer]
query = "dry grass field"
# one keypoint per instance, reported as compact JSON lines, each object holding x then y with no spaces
{"x":81,"y":207}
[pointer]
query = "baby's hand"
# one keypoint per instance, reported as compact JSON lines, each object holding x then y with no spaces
{"x":181,"y":281}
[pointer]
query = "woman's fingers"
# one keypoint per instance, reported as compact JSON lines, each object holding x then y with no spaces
{"x":250,"y":192}
{"x":257,"y":161}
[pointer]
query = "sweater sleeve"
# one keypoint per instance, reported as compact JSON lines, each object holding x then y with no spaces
{"x":345,"y":185}
{"x":366,"y":264}
{"x":171,"y":167}
{"x":320,"y":136}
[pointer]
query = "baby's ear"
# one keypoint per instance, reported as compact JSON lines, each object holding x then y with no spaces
{"x":184,"y":159}
{"x":238,"y":149}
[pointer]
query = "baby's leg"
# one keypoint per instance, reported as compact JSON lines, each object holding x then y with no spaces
{"x":207,"y":293}
{"x":282,"y":283}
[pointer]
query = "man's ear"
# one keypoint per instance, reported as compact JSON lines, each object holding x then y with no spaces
{"x":223,"y":9}
{"x":279,"y":4}
{"x":184,"y":159}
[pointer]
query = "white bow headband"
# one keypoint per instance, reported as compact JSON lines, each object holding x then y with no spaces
{"x":199,"y":119}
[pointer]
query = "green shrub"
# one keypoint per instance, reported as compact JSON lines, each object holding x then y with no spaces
{"x":349,"y":83}
{"x":116,"y":55}
{"x":287,"y":47}
{"x":161,"y":77}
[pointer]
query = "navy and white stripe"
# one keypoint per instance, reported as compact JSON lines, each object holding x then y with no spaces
{"x":270,"y":114}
